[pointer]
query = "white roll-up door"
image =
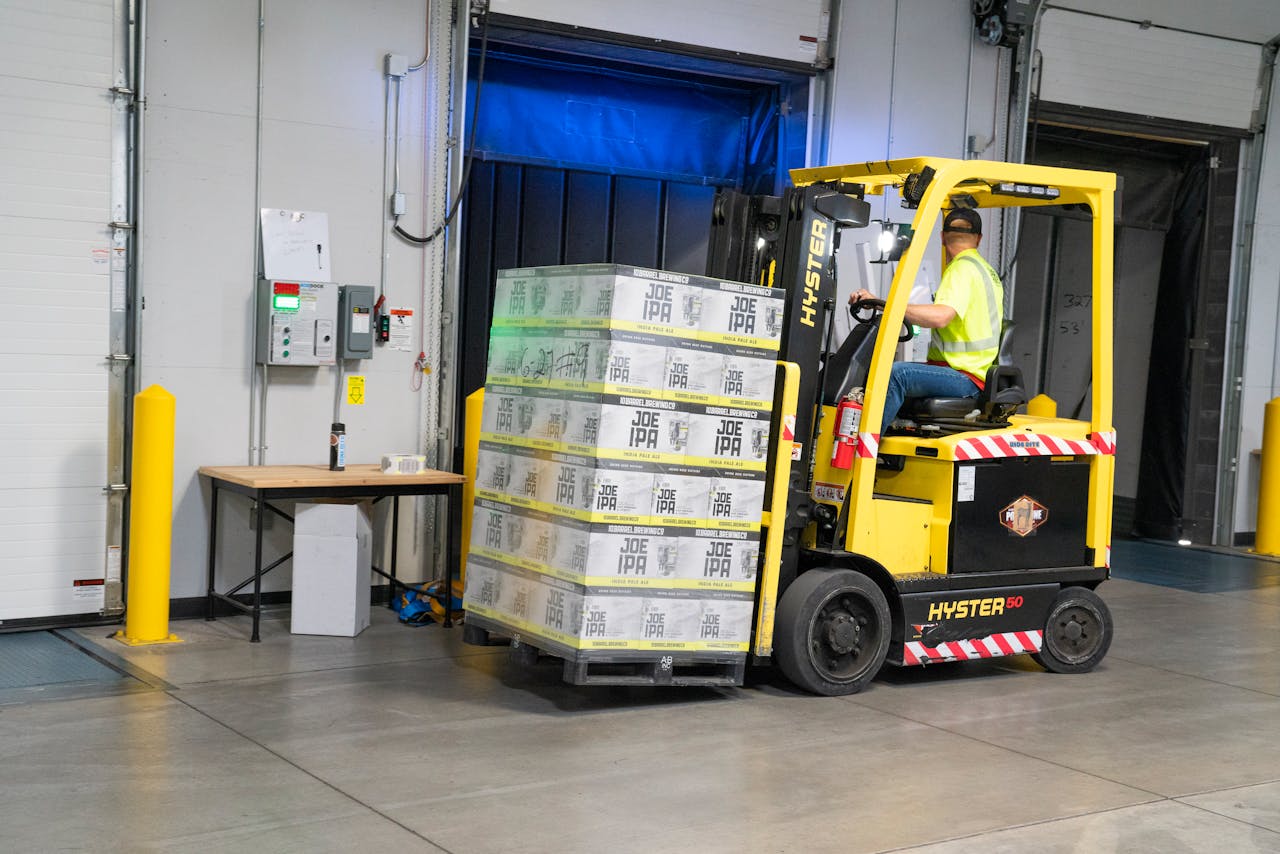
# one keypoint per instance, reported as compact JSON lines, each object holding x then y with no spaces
{"x":57,"y":66}
{"x":788,"y":30}
{"x":1103,"y":63}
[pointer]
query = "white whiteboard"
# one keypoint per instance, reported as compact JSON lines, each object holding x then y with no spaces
{"x":295,"y":245}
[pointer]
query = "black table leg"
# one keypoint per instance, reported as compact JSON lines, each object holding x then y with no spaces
{"x":453,"y":550}
{"x":257,"y":566}
{"x":395,"y":541}
{"x":213,"y":544}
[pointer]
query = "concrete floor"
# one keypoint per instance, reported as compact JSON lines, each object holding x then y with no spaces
{"x":407,"y":740}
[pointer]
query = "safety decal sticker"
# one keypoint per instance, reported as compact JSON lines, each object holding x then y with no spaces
{"x":828,"y":491}
{"x":992,"y":646}
{"x":868,"y":445}
{"x":1024,"y":515}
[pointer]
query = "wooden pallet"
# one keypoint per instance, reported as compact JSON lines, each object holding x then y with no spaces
{"x":597,"y":667}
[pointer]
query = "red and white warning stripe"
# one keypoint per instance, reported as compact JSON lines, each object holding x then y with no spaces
{"x":868,"y":445}
{"x":992,"y":646}
{"x":1031,"y":445}
{"x":1105,"y":441}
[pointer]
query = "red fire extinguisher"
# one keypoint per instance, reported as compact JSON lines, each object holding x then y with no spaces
{"x":848,"y":417}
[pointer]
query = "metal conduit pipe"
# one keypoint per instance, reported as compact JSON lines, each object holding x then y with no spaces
{"x":128,"y":341}
{"x":426,"y":56}
{"x":394,"y":157}
{"x":451,"y":286}
{"x":257,"y":401}
{"x":383,"y":198}
{"x":139,"y":127}
{"x":1016,"y":145}
{"x":426,"y":49}
{"x":968,"y":90}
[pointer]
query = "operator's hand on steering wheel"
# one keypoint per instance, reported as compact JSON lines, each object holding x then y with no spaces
{"x":863,"y":300}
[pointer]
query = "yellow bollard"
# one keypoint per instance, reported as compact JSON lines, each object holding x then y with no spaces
{"x":470,"y":455}
{"x":1268,"y":540}
{"x":1042,"y":406}
{"x":146,"y":619}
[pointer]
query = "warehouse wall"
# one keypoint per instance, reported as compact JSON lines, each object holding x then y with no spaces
{"x":905,"y":71}
{"x":910,"y":80}
{"x":321,"y":150}
{"x":1262,"y":346}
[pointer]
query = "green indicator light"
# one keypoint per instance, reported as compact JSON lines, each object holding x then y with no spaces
{"x":286,"y":302}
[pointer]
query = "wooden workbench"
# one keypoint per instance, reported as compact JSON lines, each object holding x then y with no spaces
{"x":262,"y":484}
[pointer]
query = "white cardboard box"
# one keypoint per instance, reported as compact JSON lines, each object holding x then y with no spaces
{"x":332,"y":553}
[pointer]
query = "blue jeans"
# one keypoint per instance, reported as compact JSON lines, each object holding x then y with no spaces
{"x":913,"y":379}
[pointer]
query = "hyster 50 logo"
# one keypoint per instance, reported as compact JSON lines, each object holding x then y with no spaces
{"x":963,"y":609}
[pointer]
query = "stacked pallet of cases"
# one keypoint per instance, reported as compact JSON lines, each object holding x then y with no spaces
{"x":620,"y":476}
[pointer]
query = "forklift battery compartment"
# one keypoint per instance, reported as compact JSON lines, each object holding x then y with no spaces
{"x":1020,"y":513}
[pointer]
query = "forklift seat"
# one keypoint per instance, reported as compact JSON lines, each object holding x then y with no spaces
{"x":989,"y":409}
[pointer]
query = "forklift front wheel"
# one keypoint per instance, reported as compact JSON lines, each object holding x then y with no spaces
{"x":832,"y":631}
{"x":1077,"y":633}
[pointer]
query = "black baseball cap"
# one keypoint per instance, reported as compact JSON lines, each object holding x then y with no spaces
{"x":965,"y":215}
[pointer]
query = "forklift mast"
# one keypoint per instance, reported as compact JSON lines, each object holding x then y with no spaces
{"x":790,"y":242}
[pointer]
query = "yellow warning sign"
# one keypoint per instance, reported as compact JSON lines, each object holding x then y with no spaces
{"x":355,"y":390}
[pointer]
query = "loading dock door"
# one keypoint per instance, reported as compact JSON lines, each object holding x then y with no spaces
{"x":590,"y":160}
{"x":57,"y":66}
{"x":1173,"y":238}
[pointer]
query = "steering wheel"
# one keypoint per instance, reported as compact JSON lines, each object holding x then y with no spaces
{"x":874,"y":309}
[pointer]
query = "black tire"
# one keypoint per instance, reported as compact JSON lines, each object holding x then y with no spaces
{"x":1077,"y":632}
{"x":831,"y":631}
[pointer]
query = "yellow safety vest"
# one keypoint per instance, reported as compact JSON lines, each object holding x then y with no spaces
{"x":971,"y":341}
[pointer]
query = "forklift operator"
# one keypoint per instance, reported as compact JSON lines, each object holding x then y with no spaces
{"x":965,"y":316}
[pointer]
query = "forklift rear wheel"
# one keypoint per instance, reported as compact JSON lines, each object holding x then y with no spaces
{"x":1077,"y":633}
{"x":832,"y":631}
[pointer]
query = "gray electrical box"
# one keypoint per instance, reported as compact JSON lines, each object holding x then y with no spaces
{"x":297,"y":322}
{"x":355,"y":322}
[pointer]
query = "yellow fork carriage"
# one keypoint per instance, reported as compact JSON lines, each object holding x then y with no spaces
{"x":969,"y":530}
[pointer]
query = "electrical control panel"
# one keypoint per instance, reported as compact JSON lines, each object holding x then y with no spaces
{"x":355,"y":322}
{"x":297,"y":322}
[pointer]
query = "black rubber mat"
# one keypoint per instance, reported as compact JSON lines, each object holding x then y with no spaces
{"x":30,"y":659}
{"x":1196,"y":569}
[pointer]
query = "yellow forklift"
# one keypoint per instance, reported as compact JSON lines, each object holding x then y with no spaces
{"x":968,"y":530}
